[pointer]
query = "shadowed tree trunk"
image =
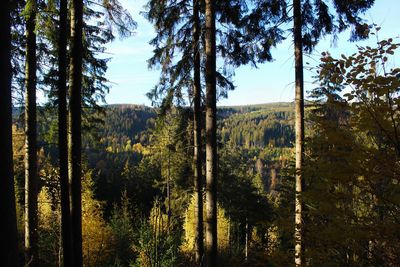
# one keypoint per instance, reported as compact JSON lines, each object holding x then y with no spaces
{"x":8,"y":233}
{"x":211,"y":137}
{"x":63,"y":136}
{"x":299,"y":110}
{"x":74,"y":145}
{"x":198,"y":181}
{"x":31,"y":183}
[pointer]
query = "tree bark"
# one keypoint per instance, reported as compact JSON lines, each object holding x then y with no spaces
{"x":211,"y":137}
{"x":299,"y":110}
{"x":63,"y":137}
{"x":74,"y":145}
{"x":198,"y":164}
{"x":8,"y":233}
{"x":31,"y":177}
{"x":246,"y":246}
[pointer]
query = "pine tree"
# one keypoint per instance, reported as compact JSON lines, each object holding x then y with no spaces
{"x":211,"y":136}
{"x":318,"y":21}
{"x":299,"y":130}
{"x":63,"y":135}
{"x":8,"y":233}
{"x":31,"y":176}
{"x":75,"y":129}
{"x":197,"y":155}
{"x":174,"y":22}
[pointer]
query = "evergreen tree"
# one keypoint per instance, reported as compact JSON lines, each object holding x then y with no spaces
{"x":197,"y":142}
{"x":31,"y":175}
{"x":299,"y":130}
{"x":75,"y":129}
{"x":173,"y":22}
{"x":311,"y":21}
{"x":63,"y":135}
{"x":8,"y":233}
{"x":211,"y":136}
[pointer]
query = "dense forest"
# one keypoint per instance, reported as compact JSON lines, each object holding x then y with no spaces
{"x":313,"y":182}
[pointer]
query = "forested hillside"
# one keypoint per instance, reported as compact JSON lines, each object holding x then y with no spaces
{"x":138,"y":159}
{"x":185,"y":182}
{"x":125,"y":125}
{"x":258,"y":126}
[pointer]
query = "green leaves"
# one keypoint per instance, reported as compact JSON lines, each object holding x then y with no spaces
{"x":353,"y":159}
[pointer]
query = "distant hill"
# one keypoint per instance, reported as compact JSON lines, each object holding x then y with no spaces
{"x":248,"y":125}
{"x":261,"y":125}
{"x":123,"y":123}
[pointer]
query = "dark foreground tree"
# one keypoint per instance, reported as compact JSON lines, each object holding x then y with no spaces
{"x":75,"y":129}
{"x":211,"y":136}
{"x":31,"y":176}
{"x":63,"y":136}
{"x":8,"y":232}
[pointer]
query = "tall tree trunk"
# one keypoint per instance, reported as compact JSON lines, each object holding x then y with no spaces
{"x":246,"y":243}
{"x":74,"y":146}
{"x":299,"y":110}
{"x":8,"y":233}
{"x":198,"y":164}
{"x":211,"y":137}
{"x":31,"y":183}
{"x":63,"y":136}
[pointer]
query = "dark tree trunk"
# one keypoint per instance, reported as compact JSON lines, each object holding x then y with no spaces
{"x":198,"y":164}
{"x":8,"y":232}
{"x":74,"y":146}
{"x":31,"y":183}
{"x":211,"y":137}
{"x":299,"y":110}
{"x":63,"y":136}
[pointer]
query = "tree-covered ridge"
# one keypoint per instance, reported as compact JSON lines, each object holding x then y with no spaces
{"x":258,"y":126}
{"x":125,"y":125}
{"x":249,"y":126}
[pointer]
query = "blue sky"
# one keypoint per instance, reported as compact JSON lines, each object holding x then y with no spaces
{"x":270,"y":82}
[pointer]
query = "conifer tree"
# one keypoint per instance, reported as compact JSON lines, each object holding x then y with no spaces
{"x":311,"y":21}
{"x":8,"y":233}
{"x":299,"y":130}
{"x":240,"y":42}
{"x":31,"y":175}
{"x":211,"y":136}
{"x":63,"y":135}
{"x":197,"y":155}
{"x":75,"y":129}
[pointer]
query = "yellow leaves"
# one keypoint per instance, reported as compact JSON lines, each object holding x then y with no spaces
{"x":96,"y":234}
{"x":138,"y":148}
{"x":189,"y":227}
{"x":46,"y":214}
